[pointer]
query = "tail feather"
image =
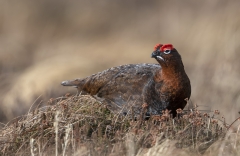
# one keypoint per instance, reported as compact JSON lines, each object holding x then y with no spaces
{"x":73,"y":83}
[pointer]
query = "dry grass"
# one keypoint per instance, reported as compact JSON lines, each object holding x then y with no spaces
{"x":81,"y":125}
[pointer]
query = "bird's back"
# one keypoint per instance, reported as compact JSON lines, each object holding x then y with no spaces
{"x":118,"y":87}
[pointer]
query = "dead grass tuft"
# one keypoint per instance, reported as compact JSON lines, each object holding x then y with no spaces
{"x":81,"y":125}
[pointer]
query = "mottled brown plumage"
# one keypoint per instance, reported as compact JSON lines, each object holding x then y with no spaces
{"x":160,"y":86}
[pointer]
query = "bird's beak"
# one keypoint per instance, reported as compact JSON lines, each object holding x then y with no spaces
{"x":154,"y":55}
{"x":157,"y":56}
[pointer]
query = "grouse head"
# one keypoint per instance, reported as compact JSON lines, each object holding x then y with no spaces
{"x":166,"y":55}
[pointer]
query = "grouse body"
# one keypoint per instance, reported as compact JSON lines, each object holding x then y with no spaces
{"x":159,"y":86}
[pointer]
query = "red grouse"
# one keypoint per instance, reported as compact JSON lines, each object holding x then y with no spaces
{"x":160,"y":86}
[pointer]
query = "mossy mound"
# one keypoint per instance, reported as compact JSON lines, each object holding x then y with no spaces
{"x":82,"y":125}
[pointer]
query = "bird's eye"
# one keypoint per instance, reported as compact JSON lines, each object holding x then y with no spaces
{"x":167,"y":51}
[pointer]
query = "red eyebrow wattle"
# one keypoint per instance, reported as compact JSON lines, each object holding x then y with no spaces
{"x":166,"y":46}
{"x":157,"y":46}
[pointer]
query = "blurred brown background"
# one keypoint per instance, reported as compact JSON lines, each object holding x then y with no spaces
{"x":45,"y":42}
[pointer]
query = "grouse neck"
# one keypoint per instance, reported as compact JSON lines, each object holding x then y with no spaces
{"x":169,"y":72}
